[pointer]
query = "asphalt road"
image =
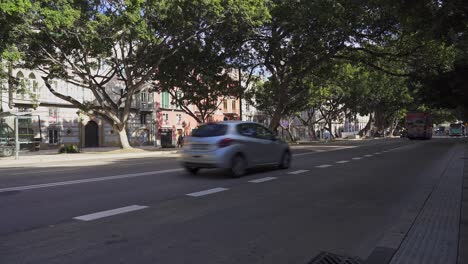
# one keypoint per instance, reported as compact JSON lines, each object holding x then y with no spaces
{"x":339,"y":198}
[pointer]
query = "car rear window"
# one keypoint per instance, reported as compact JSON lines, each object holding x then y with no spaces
{"x":210,"y":130}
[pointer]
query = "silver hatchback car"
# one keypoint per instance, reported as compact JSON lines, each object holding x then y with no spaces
{"x":235,"y":146}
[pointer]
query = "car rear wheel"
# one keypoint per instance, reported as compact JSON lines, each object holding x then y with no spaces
{"x":285,"y":160}
{"x":7,"y":152}
{"x":192,"y":170}
{"x":238,"y":166}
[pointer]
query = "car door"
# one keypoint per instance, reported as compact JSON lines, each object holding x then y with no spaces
{"x":268,"y":145}
{"x":250,"y":144}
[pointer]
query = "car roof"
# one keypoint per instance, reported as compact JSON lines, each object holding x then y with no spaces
{"x":232,"y":122}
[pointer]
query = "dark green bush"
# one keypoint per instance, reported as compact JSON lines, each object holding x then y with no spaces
{"x":69,"y":149}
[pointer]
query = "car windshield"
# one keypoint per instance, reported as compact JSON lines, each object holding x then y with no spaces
{"x":210,"y":130}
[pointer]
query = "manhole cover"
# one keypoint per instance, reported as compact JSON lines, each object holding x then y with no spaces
{"x":330,"y":258}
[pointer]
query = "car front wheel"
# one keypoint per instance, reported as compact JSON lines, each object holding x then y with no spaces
{"x":192,"y":170}
{"x":285,"y":160}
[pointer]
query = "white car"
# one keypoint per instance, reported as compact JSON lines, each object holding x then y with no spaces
{"x":235,"y":146}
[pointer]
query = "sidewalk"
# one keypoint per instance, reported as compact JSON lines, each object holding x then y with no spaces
{"x":433,"y":229}
{"x":52,"y":155}
{"x":342,"y":140}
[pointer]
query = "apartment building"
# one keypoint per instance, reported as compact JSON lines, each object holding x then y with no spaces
{"x":55,"y":122}
{"x":172,"y":121}
{"x":155,"y":119}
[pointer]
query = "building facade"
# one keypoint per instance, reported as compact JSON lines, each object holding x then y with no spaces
{"x":154,"y":119}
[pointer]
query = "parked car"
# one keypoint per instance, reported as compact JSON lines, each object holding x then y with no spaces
{"x":235,"y":146}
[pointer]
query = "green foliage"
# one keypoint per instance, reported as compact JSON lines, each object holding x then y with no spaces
{"x":69,"y":149}
{"x":14,"y":15}
{"x":441,"y":115}
{"x":115,"y":48}
{"x":196,"y":76}
{"x":353,"y":57}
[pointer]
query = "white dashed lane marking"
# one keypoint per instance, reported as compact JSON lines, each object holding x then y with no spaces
{"x":107,"y":178}
{"x":357,"y":158}
{"x":323,"y":166}
{"x":298,"y":171}
{"x":368,"y":155}
{"x":207,"y":192}
{"x":263,"y":179}
{"x":94,"y":216}
{"x":342,"y":161}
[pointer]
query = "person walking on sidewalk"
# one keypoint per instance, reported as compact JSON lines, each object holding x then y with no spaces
{"x":180,"y":141}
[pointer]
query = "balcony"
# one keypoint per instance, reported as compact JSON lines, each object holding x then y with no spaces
{"x":145,"y":106}
{"x":144,"y":102}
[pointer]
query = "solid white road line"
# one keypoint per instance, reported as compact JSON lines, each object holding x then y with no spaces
{"x":357,"y":158}
{"x":36,"y":171}
{"x":335,"y":148}
{"x":342,"y":161}
{"x":323,"y":166}
{"x":263,"y":179}
{"x":94,"y":216}
{"x":308,"y":153}
{"x":206,"y":192}
{"x":107,"y":178}
{"x":298,"y":171}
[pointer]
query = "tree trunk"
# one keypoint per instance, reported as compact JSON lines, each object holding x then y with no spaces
{"x":329,"y":128}
{"x":124,"y":139}
{"x":366,"y":128}
{"x":275,"y":120}
{"x":11,"y":88}
{"x":393,"y":126}
{"x":290,"y":136}
{"x":313,"y":133}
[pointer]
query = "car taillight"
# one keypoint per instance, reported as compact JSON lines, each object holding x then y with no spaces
{"x":225,"y":142}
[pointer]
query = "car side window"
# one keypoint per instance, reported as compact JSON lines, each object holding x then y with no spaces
{"x":263,"y":133}
{"x":247,"y":130}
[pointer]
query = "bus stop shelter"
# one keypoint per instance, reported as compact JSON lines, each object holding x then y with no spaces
{"x":18,"y":129}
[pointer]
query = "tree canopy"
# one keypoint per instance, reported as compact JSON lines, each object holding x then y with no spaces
{"x":114,"y":48}
{"x":353,"y":57}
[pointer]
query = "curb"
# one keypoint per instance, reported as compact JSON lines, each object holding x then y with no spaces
{"x":463,"y":229}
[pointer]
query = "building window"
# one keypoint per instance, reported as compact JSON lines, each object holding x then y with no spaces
{"x":143,"y":118}
{"x":165,"y":118}
{"x":33,"y":83}
{"x":144,"y":100}
{"x":233,"y":105}
{"x":144,"y":97}
{"x":165,"y":102}
{"x":22,"y":86}
{"x":176,"y":102}
{"x":225,"y":105}
{"x":53,"y":136}
{"x":53,"y":115}
{"x":179,"y":118}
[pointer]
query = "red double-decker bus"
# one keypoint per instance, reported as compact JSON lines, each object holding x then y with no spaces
{"x":419,"y":125}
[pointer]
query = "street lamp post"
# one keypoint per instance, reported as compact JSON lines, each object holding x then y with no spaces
{"x":17,"y":144}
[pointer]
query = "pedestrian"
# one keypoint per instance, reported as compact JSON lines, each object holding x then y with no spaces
{"x":180,"y":141}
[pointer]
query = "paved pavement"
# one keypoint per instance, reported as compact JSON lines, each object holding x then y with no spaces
{"x":370,"y":201}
